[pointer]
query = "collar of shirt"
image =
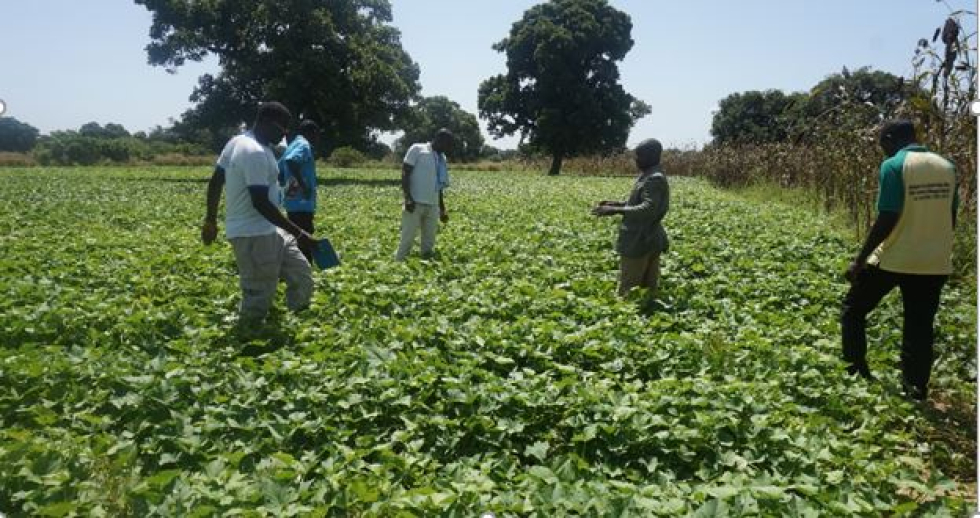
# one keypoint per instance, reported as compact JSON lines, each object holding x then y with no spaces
{"x":435,"y":153}
{"x":251,"y":134}
{"x":650,"y":170}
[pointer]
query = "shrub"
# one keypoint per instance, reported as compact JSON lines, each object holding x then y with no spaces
{"x":179,"y":159}
{"x":346,"y":157}
{"x":72,"y":148}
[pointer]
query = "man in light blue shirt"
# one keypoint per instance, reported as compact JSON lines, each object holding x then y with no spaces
{"x":424,"y":176}
{"x":297,"y":175}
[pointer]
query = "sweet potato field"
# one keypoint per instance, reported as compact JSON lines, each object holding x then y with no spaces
{"x":501,"y":376}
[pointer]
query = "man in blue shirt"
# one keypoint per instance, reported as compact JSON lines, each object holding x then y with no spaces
{"x":297,"y":175}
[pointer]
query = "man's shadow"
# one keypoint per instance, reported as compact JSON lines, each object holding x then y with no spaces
{"x":665,"y":300}
{"x":256,"y":338}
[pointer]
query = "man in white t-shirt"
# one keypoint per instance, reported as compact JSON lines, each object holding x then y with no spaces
{"x":265,"y":241}
{"x":424,"y":177}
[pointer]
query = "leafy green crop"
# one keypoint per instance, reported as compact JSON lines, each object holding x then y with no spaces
{"x":502,"y":376}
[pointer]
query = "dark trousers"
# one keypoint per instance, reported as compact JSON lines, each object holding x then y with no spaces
{"x":303,"y":220}
{"x":920,"y":300}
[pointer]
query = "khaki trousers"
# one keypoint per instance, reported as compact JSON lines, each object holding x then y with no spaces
{"x":639,"y":272}
{"x":424,"y":217}
{"x":262,"y":261}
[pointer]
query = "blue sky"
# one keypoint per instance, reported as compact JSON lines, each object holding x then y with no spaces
{"x":68,"y":62}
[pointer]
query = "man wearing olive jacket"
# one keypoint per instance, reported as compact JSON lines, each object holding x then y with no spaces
{"x":642,"y":237}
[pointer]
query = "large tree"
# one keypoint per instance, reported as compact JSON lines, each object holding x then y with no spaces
{"x":756,"y":117}
{"x":109,"y":131}
{"x":561,"y":91}
{"x":434,"y":113}
{"x":836,"y":98}
{"x":16,"y":135}
{"x":844,"y":101}
{"x":337,"y":61}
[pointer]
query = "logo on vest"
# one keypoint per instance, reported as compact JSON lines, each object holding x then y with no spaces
{"x":930,"y":191}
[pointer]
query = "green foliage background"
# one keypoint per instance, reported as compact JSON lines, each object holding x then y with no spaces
{"x":434,"y":113}
{"x":16,"y":136}
{"x":503,"y":376}
{"x":339,"y":63}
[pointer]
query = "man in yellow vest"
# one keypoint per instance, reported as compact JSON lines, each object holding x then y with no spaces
{"x":910,"y":246}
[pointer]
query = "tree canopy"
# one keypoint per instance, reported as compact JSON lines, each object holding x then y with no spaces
{"x":835,"y":97}
{"x":16,"y":135}
{"x":755,"y":117}
{"x":862,"y":98}
{"x":434,"y":113}
{"x":338,"y":62}
{"x":561,"y":91}
{"x":110,"y":130}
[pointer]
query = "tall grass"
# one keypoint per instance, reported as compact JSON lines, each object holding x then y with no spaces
{"x":843,"y":173}
{"x":837,"y":158}
{"x":12,"y":159}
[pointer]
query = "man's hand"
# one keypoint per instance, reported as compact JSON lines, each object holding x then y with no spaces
{"x":853,"y":271}
{"x":409,"y":205}
{"x":209,"y":231}
{"x":304,"y":239}
{"x":443,"y":216}
{"x":612,"y":203}
{"x":604,"y":210}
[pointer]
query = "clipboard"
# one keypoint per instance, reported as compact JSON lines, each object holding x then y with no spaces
{"x":324,"y":255}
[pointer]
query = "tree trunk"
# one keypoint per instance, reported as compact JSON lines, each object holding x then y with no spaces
{"x":556,"y":160}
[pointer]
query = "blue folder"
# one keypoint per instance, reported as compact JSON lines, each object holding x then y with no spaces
{"x":324,"y":255}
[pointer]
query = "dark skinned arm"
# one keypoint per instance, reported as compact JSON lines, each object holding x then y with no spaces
{"x":260,"y":200}
{"x":956,"y":204}
{"x":407,"y":187}
{"x":443,"y":213}
{"x":209,"y":231}
{"x":882,"y":227}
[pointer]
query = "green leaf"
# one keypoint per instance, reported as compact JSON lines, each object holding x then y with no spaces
{"x":57,"y":509}
{"x":538,"y":450}
{"x":162,"y":479}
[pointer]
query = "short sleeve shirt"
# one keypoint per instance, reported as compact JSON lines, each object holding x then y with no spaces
{"x":424,"y":179}
{"x":300,"y":153}
{"x":247,"y":164}
{"x":891,"y":192}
